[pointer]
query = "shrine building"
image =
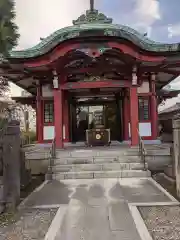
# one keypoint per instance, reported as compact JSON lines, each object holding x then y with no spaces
{"x":94,"y":76}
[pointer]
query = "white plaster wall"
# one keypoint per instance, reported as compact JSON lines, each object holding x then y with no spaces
{"x":48,"y":133}
{"x":144,"y":88}
{"x":144,"y":129}
{"x":47,"y":91}
{"x":64,"y":132}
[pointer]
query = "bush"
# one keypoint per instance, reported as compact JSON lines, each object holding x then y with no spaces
{"x":28,"y":137}
{"x":3,"y":123}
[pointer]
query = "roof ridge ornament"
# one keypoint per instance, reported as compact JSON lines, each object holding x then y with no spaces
{"x":92,"y":5}
{"x":92,"y":16}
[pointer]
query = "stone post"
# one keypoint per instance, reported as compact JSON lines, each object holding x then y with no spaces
{"x":11,"y":166}
{"x":176,"y":140}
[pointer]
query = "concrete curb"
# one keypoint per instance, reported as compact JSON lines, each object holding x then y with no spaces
{"x":152,"y":204}
{"x":168,"y":178}
{"x":139,"y":222}
{"x":133,"y":207}
{"x":164,"y":191}
{"x":45,"y":206}
{"x":56,"y":224}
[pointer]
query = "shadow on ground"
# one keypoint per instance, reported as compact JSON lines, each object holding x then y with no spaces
{"x":54,"y":192}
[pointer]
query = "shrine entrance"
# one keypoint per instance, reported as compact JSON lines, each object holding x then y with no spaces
{"x":94,"y":72}
{"x":101,"y":113}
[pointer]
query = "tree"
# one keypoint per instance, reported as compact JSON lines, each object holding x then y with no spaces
{"x":8,"y":36}
{"x":8,"y":29}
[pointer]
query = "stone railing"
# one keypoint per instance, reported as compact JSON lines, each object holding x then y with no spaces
{"x":142,"y":151}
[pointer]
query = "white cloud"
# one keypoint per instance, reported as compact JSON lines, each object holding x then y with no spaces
{"x":174,"y":30}
{"x":143,"y":16}
{"x":146,"y":13}
{"x":40,"y":18}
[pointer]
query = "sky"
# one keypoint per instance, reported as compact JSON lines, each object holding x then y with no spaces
{"x":39,"y":18}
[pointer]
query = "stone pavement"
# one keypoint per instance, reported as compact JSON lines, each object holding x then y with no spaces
{"x":96,"y":208}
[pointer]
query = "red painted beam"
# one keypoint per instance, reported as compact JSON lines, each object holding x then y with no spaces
{"x":39,"y":115}
{"x":97,"y":84}
{"x":62,"y":49}
{"x":169,"y":71}
{"x":130,"y":51}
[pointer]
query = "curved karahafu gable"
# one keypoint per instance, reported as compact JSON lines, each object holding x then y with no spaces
{"x":94,"y":21}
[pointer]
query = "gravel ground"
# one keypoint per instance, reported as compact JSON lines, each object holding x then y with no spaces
{"x":27,"y":224}
{"x":163,"y":223}
{"x":165,"y":183}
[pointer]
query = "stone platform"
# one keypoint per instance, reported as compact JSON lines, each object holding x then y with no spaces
{"x":103,"y":209}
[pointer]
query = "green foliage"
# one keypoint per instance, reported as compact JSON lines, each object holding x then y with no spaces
{"x":28,"y":137}
{"x":8,"y":29}
{"x":7,"y":218}
{"x":3,"y":123}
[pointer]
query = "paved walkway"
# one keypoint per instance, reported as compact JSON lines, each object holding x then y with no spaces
{"x":95,"y":209}
{"x":103,"y":222}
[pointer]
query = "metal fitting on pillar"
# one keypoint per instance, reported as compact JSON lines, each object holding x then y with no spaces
{"x":55,"y":80}
{"x":153,"y":76}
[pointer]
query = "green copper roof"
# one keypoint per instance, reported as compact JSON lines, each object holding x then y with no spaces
{"x":93,"y":20}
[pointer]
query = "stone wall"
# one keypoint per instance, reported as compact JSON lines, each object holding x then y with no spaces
{"x":11,"y":164}
{"x":12,"y":167}
{"x":176,"y":162}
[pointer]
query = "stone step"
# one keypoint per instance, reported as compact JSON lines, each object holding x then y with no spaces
{"x":83,"y":160}
{"x":87,"y":152}
{"x":96,"y":153}
{"x":102,"y":174}
{"x":98,"y":167}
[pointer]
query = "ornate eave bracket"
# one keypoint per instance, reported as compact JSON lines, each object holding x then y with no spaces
{"x":92,"y":17}
{"x":3,"y":59}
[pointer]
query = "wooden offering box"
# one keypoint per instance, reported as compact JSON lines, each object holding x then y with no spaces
{"x":98,"y":137}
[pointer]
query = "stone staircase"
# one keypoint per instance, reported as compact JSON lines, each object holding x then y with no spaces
{"x":98,"y":163}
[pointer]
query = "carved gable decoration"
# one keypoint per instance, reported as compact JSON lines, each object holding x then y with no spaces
{"x":92,"y":79}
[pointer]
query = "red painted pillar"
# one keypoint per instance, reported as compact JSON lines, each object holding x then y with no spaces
{"x":154,"y":113}
{"x":36,"y":123}
{"x":58,"y":117}
{"x":126,"y":118}
{"x":134,"y":118}
{"x":39,"y":115}
{"x":66,"y":116}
